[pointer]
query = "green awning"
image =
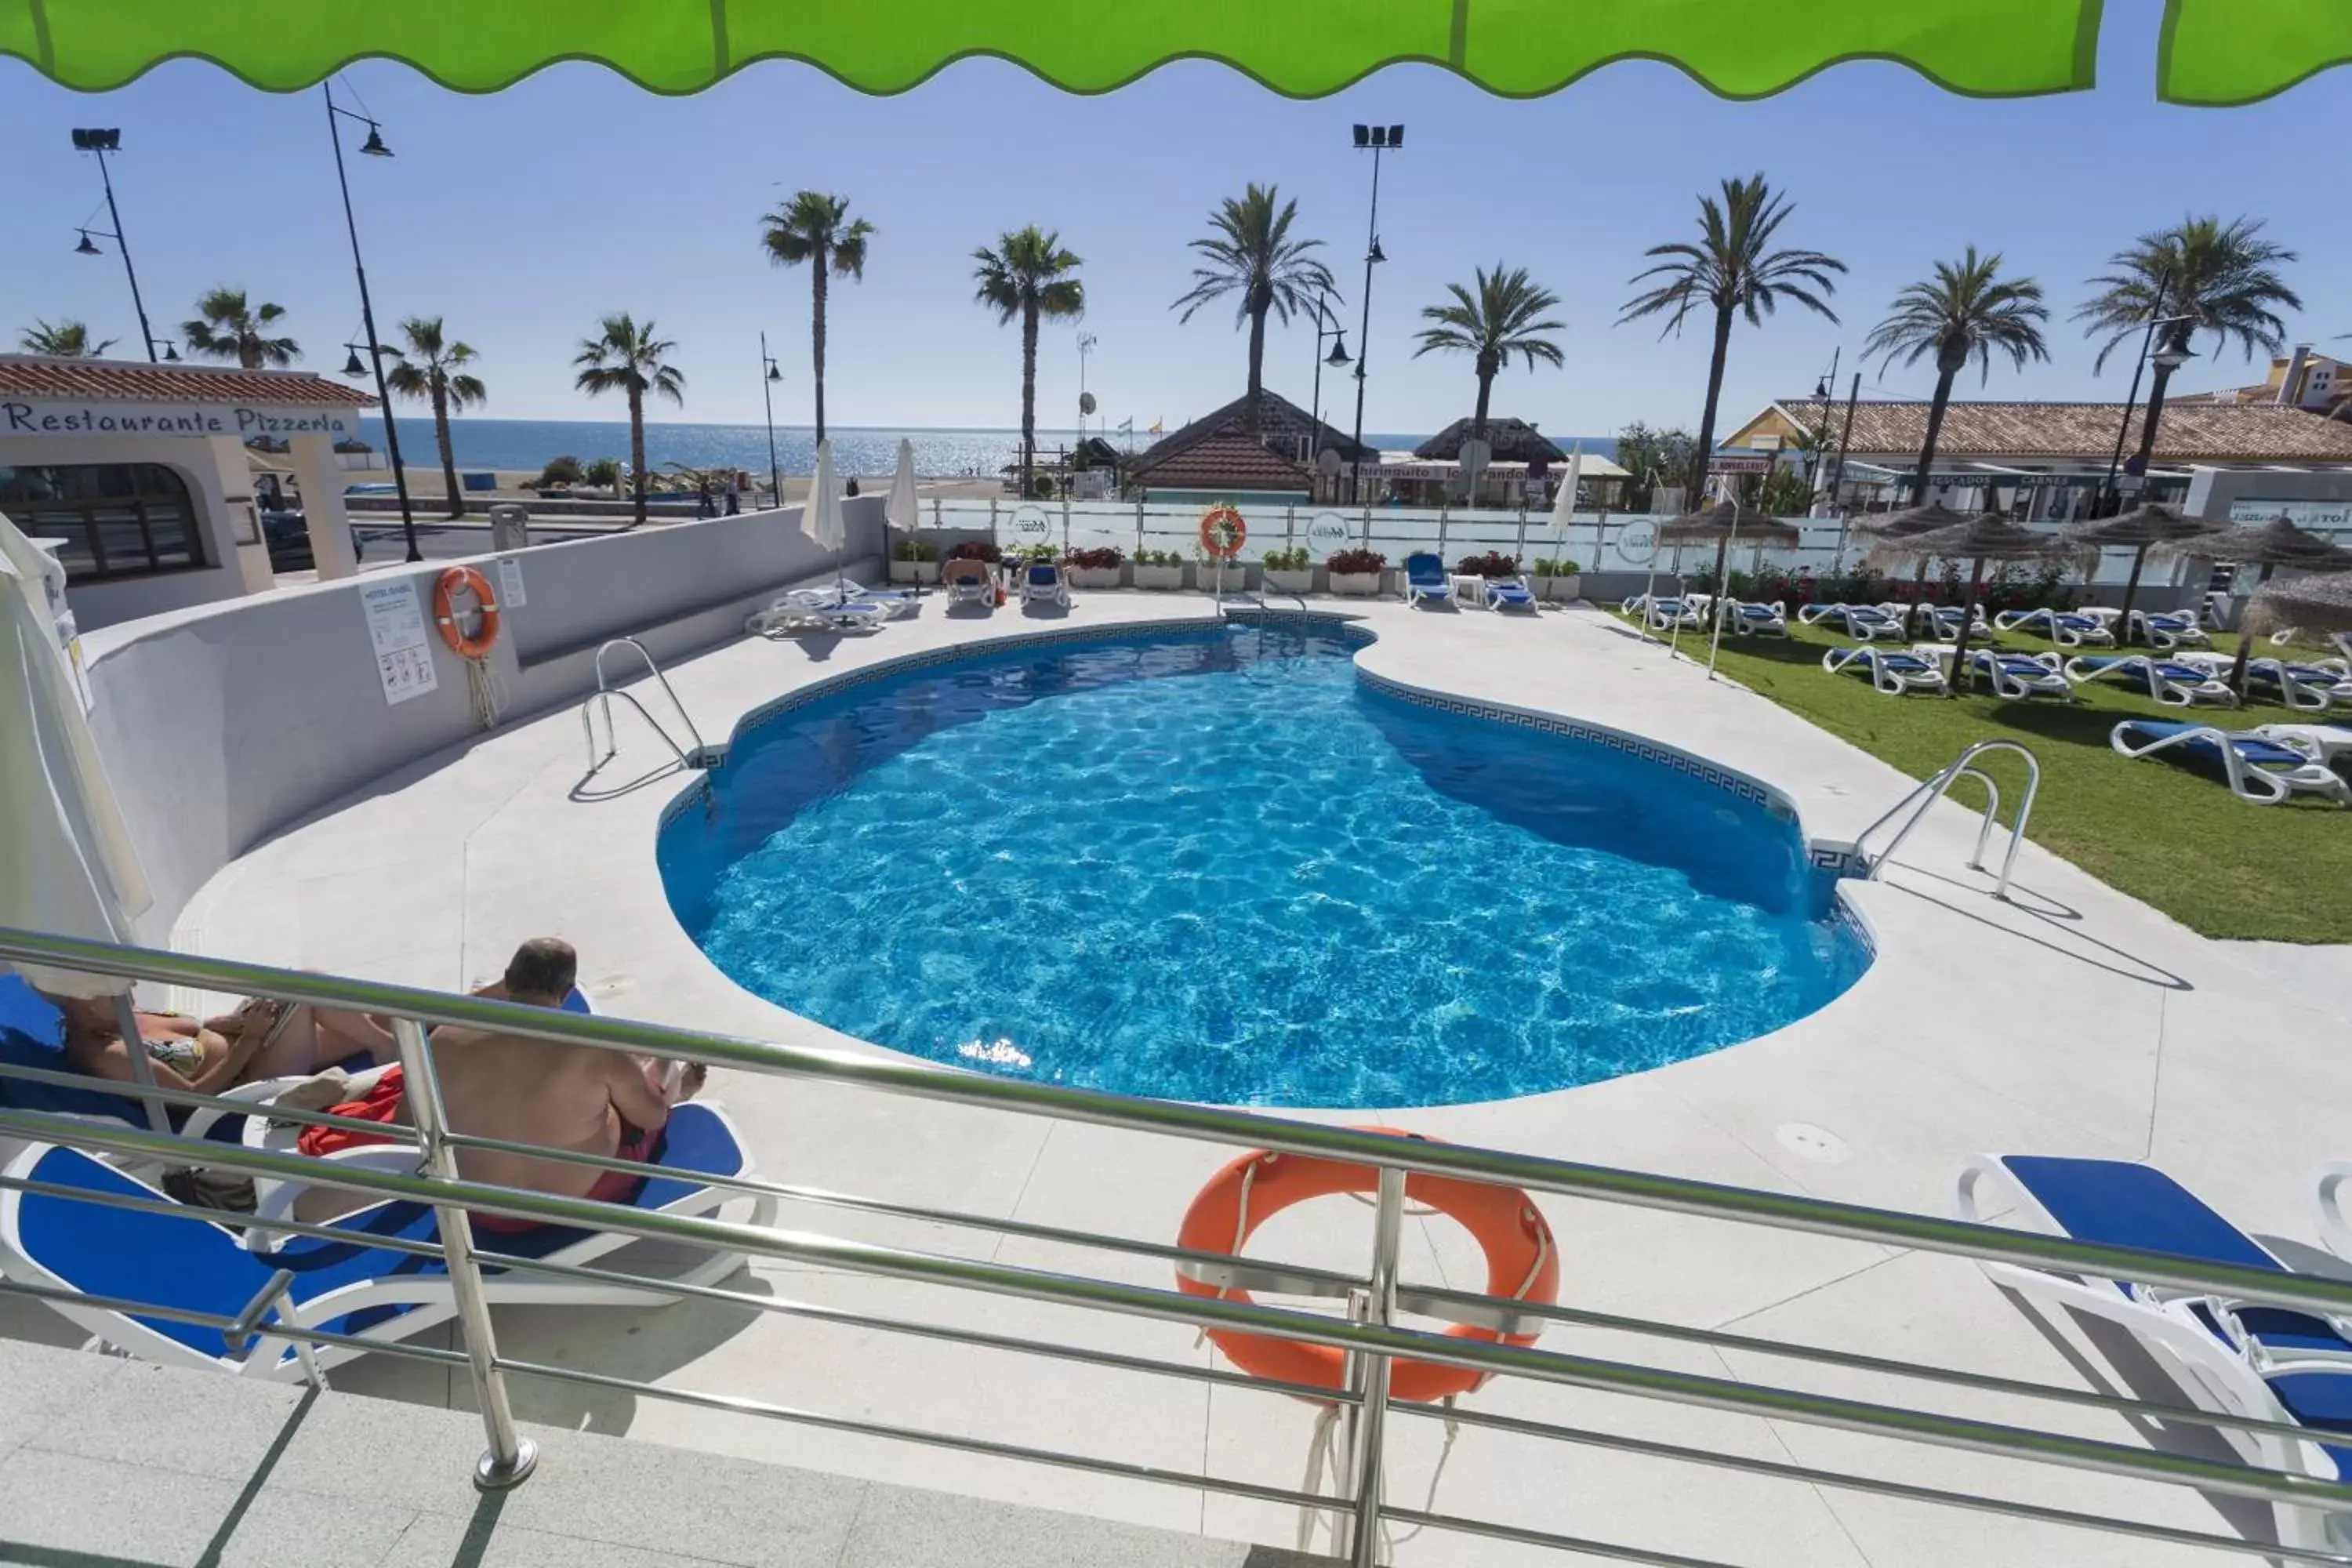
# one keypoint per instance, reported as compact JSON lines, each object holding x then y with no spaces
{"x":1741,"y":49}
{"x":2223,"y":52}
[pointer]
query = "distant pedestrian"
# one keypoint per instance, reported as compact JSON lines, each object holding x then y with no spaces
{"x":702,"y":507}
{"x":853,"y":484}
{"x":734,"y":501}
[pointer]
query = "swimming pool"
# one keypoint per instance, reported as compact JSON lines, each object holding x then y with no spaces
{"x":1212,"y":864}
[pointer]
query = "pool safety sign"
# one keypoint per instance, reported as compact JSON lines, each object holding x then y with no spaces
{"x":404,"y":651}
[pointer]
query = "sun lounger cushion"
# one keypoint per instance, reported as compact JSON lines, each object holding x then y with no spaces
{"x":2124,"y":1205}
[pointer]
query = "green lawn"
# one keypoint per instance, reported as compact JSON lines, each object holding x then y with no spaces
{"x":2166,"y":833}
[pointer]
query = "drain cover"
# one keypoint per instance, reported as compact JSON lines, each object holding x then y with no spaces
{"x":1817,"y":1143}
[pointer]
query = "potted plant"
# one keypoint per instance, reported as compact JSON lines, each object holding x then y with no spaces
{"x":1356,"y":571}
{"x":1288,"y":571}
{"x":1159,"y":569}
{"x":1559,"y":580}
{"x":915,"y":561}
{"x":1095,"y":568}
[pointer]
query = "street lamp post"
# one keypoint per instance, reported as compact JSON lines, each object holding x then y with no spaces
{"x":770,"y":375}
{"x":1326,"y":325}
{"x":1379,"y":139}
{"x":99,"y":142}
{"x":372,"y":147}
{"x":2109,"y":500}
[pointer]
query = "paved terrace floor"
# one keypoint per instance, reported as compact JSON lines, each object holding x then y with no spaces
{"x":2073,"y":1021}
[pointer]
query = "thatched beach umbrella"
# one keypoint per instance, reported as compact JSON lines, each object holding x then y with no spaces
{"x":2319,"y":602}
{"x":1910,"y":523}
{"x":2139,"y":531}
{"x":1723,"y":522}
{"x":2278,"y":543}
{"x":1978,"y":541}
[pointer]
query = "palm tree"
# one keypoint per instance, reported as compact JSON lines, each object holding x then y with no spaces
{"x":432,"y":367}
{"x":62,"y":340}
{"x":1733,"y":269}
{"x":2202,"y":276}
{"x":226,"y":328}
{"x":1028,"y":277}
{"x":1250,"y":254}
{"x":627,"y":358}
{"x":814,"y":227}
{"x":1500,"y":322}
{"x":1968,"y":311}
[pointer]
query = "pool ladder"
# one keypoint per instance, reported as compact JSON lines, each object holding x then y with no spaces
{"x":1926,"y":794}
{"x":699,"y":755}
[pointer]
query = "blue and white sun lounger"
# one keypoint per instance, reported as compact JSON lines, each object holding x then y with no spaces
{"x":1746,"y":619}
{"x":1665,"y":614}
{"x":1942,"y":622}
{"x":2306,"y":688}
{"x":1425,"y":579}
{"x":1509,"y":593}
{"x":344,"y":1286}
{"x":1890,"y":671}
{"x":2018,"y":676}
{"x":1865,"y":622}
{"x":2067,"y":628}
{"x":2260,"y":771}
{"x":1043,"y":582}
{"x":2169,"y":681}
{"x":2168,"y":629}
{"x":2267,"y":1363}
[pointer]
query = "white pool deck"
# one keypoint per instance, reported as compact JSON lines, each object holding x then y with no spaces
{"x":2075,"y":1020}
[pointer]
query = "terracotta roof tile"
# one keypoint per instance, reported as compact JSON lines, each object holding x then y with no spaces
{"x":1226,"y":459}
{"x":128,"y":381}
{"x":1513,"y":440}
{"x":2189,"y":433}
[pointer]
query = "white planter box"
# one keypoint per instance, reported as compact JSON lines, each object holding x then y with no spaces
{"x":1356,"y":585}
{"x":1205,"y":579}
{"x":1560,"y":590}
{"x":1096,"y":577}
{"x":1290,"y":581}
{"x":1161,"y":577}
{"x":914,"y":571}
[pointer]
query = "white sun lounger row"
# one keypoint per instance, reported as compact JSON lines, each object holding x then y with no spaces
{"x":2262,"y":767}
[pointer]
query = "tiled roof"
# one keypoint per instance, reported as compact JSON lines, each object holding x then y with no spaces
{"x":1229,"y":458}
{"x":130,"y":381}
{"x":1513,"y":440}
{"x":2188,"y":432}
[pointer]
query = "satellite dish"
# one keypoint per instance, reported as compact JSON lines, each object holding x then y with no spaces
{"x":1474,"y":458}
{"x":1085,"y":404}
{"x":1327,"y":463}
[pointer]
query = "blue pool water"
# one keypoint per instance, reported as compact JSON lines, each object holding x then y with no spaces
{"x":1212,"y":865}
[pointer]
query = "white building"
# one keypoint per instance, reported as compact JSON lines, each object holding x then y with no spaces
{"x":141,"y":475}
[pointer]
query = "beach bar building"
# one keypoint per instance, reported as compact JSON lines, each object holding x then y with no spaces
{"x":140,"y":478}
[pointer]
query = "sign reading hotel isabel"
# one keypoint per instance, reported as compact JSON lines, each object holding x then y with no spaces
{"x":62,"y":416}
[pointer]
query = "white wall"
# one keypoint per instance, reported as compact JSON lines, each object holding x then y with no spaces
{"x":105,"y":603}
{"x":225,"y":723}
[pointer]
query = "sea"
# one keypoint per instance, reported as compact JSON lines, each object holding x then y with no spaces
{"x":938,"y":454}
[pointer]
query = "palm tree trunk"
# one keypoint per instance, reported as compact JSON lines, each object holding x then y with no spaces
{"x":1256,"y":367}
{"x":1705,"y":452}
{"x":638,"y":450}
{"x":1936,"y":412}
{"x":248,"y":355}
{"x":1967,"y":617}
{"x":816,"y":331}
{"x":2156,"y":386}
{"x":448,"y":456}
{"x":1485,"y":390}
{"x":1028,"y":393}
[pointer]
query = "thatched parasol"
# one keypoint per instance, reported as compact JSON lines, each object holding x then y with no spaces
{"x":1720,"y":524}
{"x":1910,"y":523}
{"x":2139,"y":531}
{"x":2278,"y":543}
{"x":2321,"y":602}
{"x":1979,"y":539}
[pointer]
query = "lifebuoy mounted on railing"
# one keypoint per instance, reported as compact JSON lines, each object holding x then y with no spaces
{"x":1522,"y":1259}
{"x":1223,"y":531}
{"x":465,"y":579}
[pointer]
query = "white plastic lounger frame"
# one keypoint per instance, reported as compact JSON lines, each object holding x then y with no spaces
{"x":2216,"y":1375}
{"x":2011,"y":679}
{"x":1052,"y":587}
{"x":1747,"y":619}
{"x":2168,"y":629}
{"x":785,"y":618}
{"x":2328,"y":744}
{"x":891,"y":602}
{"x":2067,"y":628}
{"x":1863,"y":623}
{"x":2253,"y":782}
{"x":2166,"y":679}
{"x":1942,"y":622}
{"x":1665,"y":614}
{"x":2307,"y":688}
{"x":1891,"y":671}
{"x":969,"y":587}
{"x":2333,"y":1228}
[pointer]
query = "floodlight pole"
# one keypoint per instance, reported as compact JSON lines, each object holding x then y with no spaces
{"x":114,"y":215}
{"x":1379,"y":139}
{"x":367,"y":323}
{"x":2108,"y":495}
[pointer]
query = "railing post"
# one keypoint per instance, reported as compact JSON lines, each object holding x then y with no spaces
{"x":511,"y":1456}
{"x":1372,"y":1373}
{"x":142,"y":1071}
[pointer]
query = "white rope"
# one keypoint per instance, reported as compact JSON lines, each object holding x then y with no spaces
{"x":482,"y":687}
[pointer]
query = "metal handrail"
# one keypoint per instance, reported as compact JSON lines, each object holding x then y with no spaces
{"x":1933,"y":789}
{"x":699,"y":755}
{"x":1369,"y":1338}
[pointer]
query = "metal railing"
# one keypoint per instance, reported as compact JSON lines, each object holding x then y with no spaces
{"x":1920,"y":801}
{"x":1371,"y":1336}
{"x":696,"y":754}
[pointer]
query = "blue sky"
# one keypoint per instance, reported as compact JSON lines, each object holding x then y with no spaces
{"x":524,"y":215}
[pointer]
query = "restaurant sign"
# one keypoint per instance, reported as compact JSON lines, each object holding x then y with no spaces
{"x":66,"y":416}
{"x":2325,"y":516}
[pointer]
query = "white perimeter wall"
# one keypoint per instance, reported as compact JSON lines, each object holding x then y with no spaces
{"x":223,"y":723}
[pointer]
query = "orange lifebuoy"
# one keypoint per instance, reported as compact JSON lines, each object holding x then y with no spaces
{"x":1223,"y":531}
{"x":1522,"y":1261}
{"x":445,"y":590}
